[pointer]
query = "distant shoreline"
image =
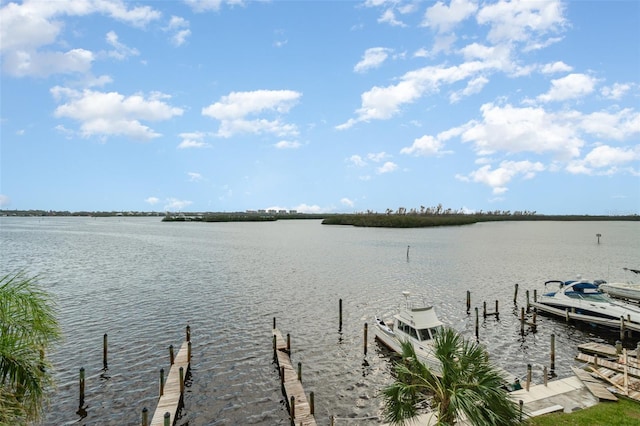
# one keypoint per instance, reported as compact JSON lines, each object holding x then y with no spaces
{"x":379,"y":220}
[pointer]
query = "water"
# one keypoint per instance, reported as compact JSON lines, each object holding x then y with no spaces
{"x":142,"y":281}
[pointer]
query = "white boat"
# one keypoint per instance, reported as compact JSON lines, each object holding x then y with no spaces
{"x":416,"y":323}
{"x":584,"y":298}
{"x":623,"y":290}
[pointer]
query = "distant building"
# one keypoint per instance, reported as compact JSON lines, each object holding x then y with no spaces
{"x":293,"y":211}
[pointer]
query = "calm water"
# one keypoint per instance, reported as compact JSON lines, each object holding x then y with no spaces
{"x":142,"y":281}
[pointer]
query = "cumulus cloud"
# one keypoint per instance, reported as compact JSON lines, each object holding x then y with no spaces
{"x":498,"y":178}
{"x":605,"y":159}
{"x":113,"y":114}
{"x":4,"y":200}
{"x":152,"y":200}
{"x":387,"y":167}
{"x":232,"y":111}
{"x":121,"y":51}
{"x":616,"y":91}
{"x":179,"y":29}
{"x":174,"y":204}
{"x":555,"y":67}
{"x":444,"y":18}
{"x":211,"y":5}
{"x":347,"y":202}
{"x":194,"y":177}
{"x":30,"y":27}
{"x":357,"y":161}
{"x":287,"y":145}
{"x":372,"y":58}
{"x":425,"y":146}
{"x":193,"y":140}
{"x":572,"y":86}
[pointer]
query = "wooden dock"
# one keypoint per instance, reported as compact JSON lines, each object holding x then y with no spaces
{"x":301,"y":412}
{"x":171,"y":399}
{"x":594,"y":385}
{"x":620,"y":324}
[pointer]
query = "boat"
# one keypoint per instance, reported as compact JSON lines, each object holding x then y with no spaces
{"x":623,"y":290}
{"x":584,"y":298}
{"x":417,"y":323}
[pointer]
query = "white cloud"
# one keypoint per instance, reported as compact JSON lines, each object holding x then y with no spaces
{"x":605,"y":159}
{"x":444,"y":18}
{"x":30,"y":26}
{"x":347,"y":202}
{"x":607,"y":125}
{"x":511,"y":129}
{"x":372,"y":58}
{"x":377,"y":157}
{"x":179,"y":27}
{"x":570,"y":87}
{"x":387,"y":167}
{"x":389,"y":17}
{"x":522,"y":20}
{"x":555,"y":67}
{"x":152,"y":200}
{"x":233,"y":109}
{"x":121,"y":50}
{"x":357,"y":161}
{"x":110,"y":113}
{"x":193,"y":140}
{"x":474,"y":86}
{"x":194,"y":177}
{"x":305,"y":208}
{"x":287,"y":145}
{"x":616,"y":92}
{"x":498,"y":178}
{"x":173,"y":204}
{"x":424,"y":146}
{"x":214,"y":5}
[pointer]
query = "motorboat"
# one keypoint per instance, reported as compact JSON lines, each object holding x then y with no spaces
{"x":416,"y":323}
{"x":627,"y":290}
{"x":585,"y":298}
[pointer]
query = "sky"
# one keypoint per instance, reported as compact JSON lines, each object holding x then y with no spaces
{"x":320,"y":106}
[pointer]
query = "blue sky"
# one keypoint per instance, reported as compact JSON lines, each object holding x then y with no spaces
{"x":320,"y":106}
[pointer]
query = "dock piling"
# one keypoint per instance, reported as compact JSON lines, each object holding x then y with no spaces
{"x":515,"y":295}
{"x":299,"y":371}
{"x":188,"y":331}
{"x":528,"y":376}
{"x":288,"y":343}
{"x":312,"y":404}
{"x":145,"y":417}
{"x":171,"y":356}
{"x":366,"y":327}
{"x":181,"y":379}
{"x":339,"y":315}
{"x":553,"y":353}
{"x":477,"y":338}
{"x":81,"y":390}
{"x":167,"y":419}
{"x":104,"y":351}
{"x":468,"y":301}
{"x":161,"y":381}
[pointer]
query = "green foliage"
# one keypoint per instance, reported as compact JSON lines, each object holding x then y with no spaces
{"x":28,"y":326}
{"x":467,"y":385}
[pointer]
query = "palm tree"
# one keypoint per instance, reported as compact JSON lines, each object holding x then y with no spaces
{"x":27,"y":328}
{"x":467,"y":386}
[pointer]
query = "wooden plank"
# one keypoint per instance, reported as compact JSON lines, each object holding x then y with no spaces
{"x":614,"y":366}
{"x":596,"y":388}
{"x":170,"y":401}
{"x":292,"y":386}
{"x":612,"y":323}
{"x":598,"y":348}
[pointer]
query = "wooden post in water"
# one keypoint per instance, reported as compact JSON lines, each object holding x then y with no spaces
{"x":167,"y":419}
{"x":468,"y":301}
{"x":181,"y":371}
{"x":515,"y":295}
{"x":289,"y":343}
{"x":535,"y":295}
{"x":528,"y":376}
{"x":340,"y":315}
{"x":104,"y":351}
{"x":534,"y":325}
{"x":553,"y":353}
{"x":145,"y":417}
{"x":366,"y":327}
{"x":497,"y":313}
{"x":484,"y":309}
{"x":188,"y":331}
{"x":161,"y":381}
{"x":189,"y":350}
{"x":275,"y":350}
{"x":528,"y":304}
{"x":545,"y":374}
{"x":598,"y":235}
{"x":282,"y":375}
{"x":293,"y":407}
{"x":299,"y":371}
{"x":522,"y":320}
{"x":274,"y":323}
{"x":618,"y":347}
{"x":477,"y":338}
{"x":81,"y":389}
{"x":521,"y":403}
{"x":312,"y":404}
{"x":171,"y":356}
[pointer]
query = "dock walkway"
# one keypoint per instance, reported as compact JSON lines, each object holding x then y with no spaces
{"x":291,"y":385}
{"x":568,"y":315}
{"x":171,"y":398}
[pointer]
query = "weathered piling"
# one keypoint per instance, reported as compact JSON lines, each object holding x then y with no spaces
{"x":553,"y":353}
{"x":339,"y":315}
{"x":81,"y":391}
{"x":477,"y":326}
{"x":528,"y":384}
{"x":515,"y":295}
{"x":468,"y":301}
{"x":366,"y":327}
{"x":104,"y":351}
{"x":145,"y":417}
{"x":161,"y":382}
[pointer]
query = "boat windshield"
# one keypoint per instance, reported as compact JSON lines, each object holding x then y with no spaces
{"x":428,"y":333}
{"x":586,"y":291}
